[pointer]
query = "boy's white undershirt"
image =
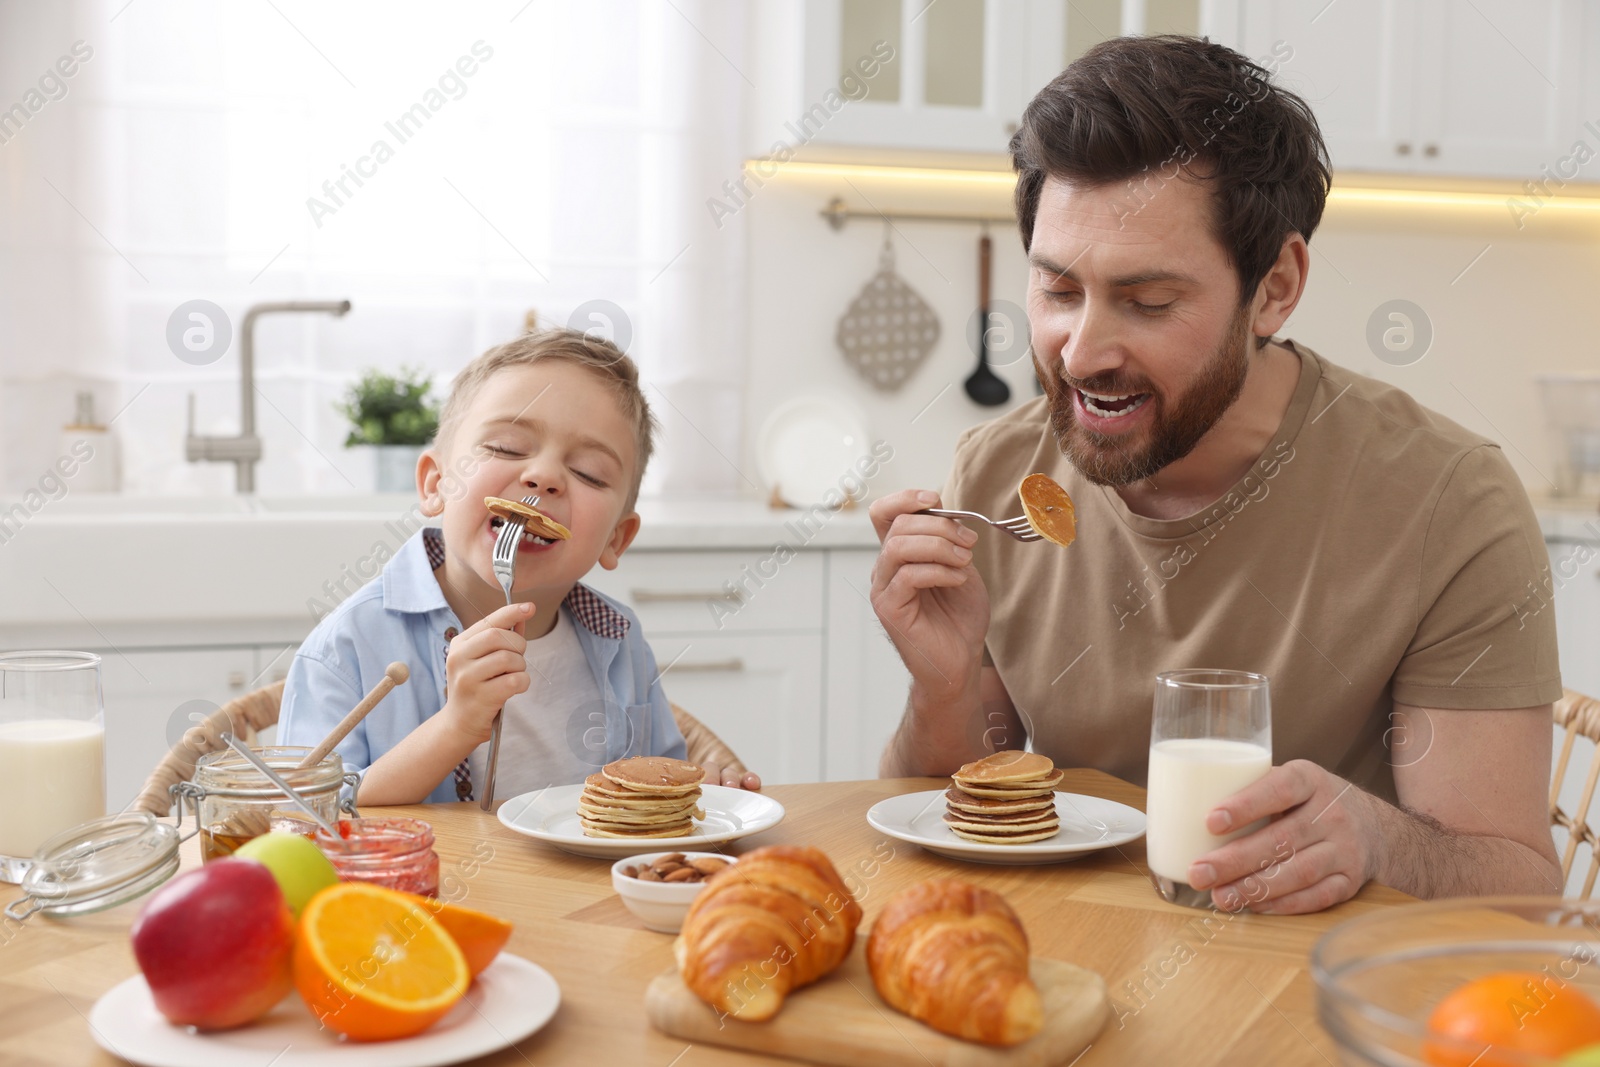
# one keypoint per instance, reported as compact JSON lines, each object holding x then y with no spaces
{"x":543,"y":738}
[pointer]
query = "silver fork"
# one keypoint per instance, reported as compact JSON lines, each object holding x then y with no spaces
{"x":1019,"y":527}
{"x":505,"y":568}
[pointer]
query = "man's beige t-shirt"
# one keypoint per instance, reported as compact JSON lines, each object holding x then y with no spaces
{"x":1376,"y":553}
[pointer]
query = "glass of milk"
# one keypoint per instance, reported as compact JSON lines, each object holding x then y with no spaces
{"x":1211,"y":736}
{"x":52,"y":751}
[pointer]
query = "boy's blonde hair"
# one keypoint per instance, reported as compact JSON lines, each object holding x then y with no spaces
{"x":600,"y":357}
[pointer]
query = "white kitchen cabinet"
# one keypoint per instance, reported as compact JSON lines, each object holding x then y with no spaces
{"x":1495,"y":88}
{"x":1575,"y":575}
{"x":867,"y":682}
{"x":963,"y":70}
{"x":150,"y":698}
{"x":750,"y":591}
{"x":760,"y":693}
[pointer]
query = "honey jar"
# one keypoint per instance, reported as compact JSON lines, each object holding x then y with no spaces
{"x":234,"y":802}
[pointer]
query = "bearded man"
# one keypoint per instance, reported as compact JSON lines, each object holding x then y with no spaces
{"x":1242,"y":503}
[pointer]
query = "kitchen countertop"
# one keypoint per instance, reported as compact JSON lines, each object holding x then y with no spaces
{"x":95,"y":570}
{"x":1569,"y":518}
{"x":90,"y":569}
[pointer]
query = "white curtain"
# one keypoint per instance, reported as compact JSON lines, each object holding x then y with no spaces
{"x":445,"y":167}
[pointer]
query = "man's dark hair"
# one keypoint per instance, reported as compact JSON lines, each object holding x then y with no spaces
{"x":1151,"y":110}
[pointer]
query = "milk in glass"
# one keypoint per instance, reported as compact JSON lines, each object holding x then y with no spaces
{"x":1189,"y":777}
{"x":52,"y":777}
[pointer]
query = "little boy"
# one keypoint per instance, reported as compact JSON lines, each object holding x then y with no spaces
{"x":560,"y":416}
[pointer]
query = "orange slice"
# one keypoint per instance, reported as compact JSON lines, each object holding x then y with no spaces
{"x":372,"y":964}
{"x":1049,"y":509}
{"x":534,"y":520}
{"x":479,"y":935}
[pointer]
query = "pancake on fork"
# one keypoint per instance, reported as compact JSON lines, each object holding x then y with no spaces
{"x":644,"y":796}
{"x":1007,"y":798}
{"x":534,"y":521}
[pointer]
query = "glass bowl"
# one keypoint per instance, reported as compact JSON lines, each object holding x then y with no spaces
{"x":1380,"y":976}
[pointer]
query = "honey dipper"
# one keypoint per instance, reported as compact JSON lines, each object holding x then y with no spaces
{"x":252,"y":822}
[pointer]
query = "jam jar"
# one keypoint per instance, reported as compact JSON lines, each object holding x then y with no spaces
{"x":234,"y":802}
{"x":393,"y":852}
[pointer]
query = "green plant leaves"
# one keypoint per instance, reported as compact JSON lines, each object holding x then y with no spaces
{"x":386,"y":409}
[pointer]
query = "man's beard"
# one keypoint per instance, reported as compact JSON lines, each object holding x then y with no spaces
{"x":1108,"y":460}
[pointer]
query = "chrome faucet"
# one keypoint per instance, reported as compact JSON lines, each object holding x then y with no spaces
{"x":244,"y":449}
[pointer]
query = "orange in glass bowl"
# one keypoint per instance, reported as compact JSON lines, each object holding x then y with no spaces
{"x":1493,"y":982}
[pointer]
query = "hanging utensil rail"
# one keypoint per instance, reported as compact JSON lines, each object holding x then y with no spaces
{"x":838,"y":213}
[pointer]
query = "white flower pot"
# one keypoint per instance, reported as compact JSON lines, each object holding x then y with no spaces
{"x":394,"y":467}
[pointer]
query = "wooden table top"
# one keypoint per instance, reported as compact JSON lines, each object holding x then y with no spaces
{"x":1229,"y":990}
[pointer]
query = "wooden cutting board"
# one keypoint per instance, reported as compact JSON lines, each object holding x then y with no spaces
{"x":841,"y":1020}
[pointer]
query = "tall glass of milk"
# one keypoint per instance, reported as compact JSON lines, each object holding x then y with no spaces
{"x":52,"y":751}
{"x":1211,"y":736}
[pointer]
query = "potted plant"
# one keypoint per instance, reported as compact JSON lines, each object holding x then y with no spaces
{"x":395,"y":416}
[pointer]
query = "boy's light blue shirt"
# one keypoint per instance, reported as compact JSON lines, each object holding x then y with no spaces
{"x":403,"y":615}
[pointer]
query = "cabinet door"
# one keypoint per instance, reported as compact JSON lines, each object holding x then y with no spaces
{"x":150,"y":697}
{"x":1499,"y":87}
{"x":1353,"y":62}
{"x":955,"y":82}
{"x":867,"y":683}
{"x":728,"y":591}
{"x":1575,"y":574}
{"x":760,"y":693}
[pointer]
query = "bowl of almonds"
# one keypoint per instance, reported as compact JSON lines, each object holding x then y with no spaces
{"x":658,"y":887}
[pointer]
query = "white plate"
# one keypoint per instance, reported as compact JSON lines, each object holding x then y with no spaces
{"x":808,"y":445}
{"x":508,"y":1001}
{"x":1088,"y":824}
{"x":551,"y":815}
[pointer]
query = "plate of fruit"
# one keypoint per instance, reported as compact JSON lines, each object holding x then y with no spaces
{"x":267,"y":957}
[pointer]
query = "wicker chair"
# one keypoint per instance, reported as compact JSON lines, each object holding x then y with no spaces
{"x":1577,"y":714}
{"x":248,"y":715}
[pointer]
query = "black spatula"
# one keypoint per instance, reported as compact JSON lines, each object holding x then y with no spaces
{"x":984,"y":386}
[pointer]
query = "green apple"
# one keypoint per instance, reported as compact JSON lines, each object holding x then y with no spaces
{"x":1588,"y":1056}
{"x":299,"y":866}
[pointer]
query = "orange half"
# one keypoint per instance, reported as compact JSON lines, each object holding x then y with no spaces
{"x":479,"y":935}
{"x":1049,"y":509}
{"x":373,"y":964}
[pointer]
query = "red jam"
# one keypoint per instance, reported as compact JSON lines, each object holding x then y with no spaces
{"x":392,"y":852}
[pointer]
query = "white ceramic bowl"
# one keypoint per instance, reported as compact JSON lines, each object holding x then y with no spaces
{"x":660,"y":905}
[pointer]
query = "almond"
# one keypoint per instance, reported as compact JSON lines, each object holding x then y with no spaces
{"x":684,"y":874}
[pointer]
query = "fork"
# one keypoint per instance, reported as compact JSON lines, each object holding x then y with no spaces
{"x":505,"y":567}
{"x":1019,"y":527}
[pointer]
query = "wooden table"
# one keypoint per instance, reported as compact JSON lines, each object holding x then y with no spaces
{"x":1188,"y":986}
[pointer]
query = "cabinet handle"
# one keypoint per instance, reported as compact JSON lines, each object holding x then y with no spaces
{"x":1403,"y":148}
{"x":236,"y":679}
{"x":733,"y":665}
{"x":681,"y":596}
{"x":1430,"y":149}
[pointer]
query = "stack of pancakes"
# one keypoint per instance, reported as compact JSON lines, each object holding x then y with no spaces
{"x":1005,"y":799}
{"x":646,"y":796}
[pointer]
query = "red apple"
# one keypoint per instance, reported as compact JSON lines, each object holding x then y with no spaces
{"x":216,"y":945}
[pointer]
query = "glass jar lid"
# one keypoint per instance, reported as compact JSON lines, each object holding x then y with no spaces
{"x":225,"y":773}
{"x":98,"y":864}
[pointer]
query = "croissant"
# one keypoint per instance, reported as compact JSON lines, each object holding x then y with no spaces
{"x":955,"y":956}
{"x":777,"y":920}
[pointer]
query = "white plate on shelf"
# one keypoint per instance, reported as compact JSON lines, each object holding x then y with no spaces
{"x":1088,"y":824}
{"x":507,"y":1002}
{"x":551,"y":815}
{"x":808,"y":444}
